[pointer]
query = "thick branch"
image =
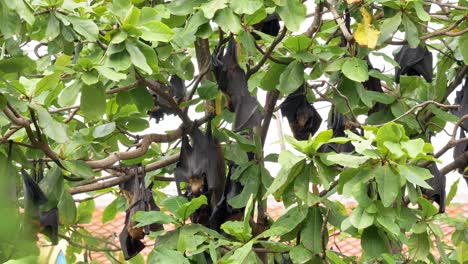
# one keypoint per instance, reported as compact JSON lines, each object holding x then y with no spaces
{"x":271,"y":99}
{"x":315,"y":26}
{"x":348,"y":36}
{"x":459,"y":162}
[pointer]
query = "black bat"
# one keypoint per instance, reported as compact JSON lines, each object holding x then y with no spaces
{"x":201,"y":167}
{"x":176,"y":90}
{"x":270,"y":25}
{"x":139,"y":199}
{"x":303,"y":119}
{"x":414,"y":62}
{"x":46,"y":222}
{"x":373,"y":84}
{"x":462,"y":100}
{"x":232,"y":81}
{"x":437,"y":183}
{"x":338,"y":123}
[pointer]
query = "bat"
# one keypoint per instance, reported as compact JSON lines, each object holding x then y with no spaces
{"x":373,"y":84}
{"x":201,"y":167}
{"x":269,"y":25}
{"x":46,"y":222}
{"x":232,"y":81}
{"x":161,"y":108}
{"x":139,"y":199}
{"x":437,"y":183}
{"x":414,"y":62}
{"x":462,"y":100}
{"x":338,"y":123}
{"x":303,"y":119}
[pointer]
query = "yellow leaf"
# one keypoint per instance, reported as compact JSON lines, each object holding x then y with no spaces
{"x":366,"y":34}
{"x":219,"y":102}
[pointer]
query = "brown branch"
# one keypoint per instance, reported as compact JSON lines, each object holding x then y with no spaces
{"x":273,"y":59}
{"x":62,"y":109}
{"x":262,"y":61}
{"x":200,"y":77}
{"x":123,"y":88}
{"x":459,"y":162}
{"x":315,"y":26}
{"x":339,"y":20}
{"x":12,"y":130}
{"x":447,"y":5}
{"x":271,"y":99}
{"x":124,"y":177}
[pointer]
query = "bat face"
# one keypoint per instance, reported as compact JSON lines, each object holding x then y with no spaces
{"x":303,"y":119}
{"x":414,"y":62}
{"x":201,"y":167}
{"x":232,"y":81}
{"x":437,"y":183}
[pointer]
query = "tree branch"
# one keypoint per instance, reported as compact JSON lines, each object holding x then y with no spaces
{"x":348,"y":36}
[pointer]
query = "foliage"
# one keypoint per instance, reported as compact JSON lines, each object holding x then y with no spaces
{"x":73,"y":89}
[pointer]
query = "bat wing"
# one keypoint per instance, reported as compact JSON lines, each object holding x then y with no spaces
{"x":33,"y":194}
{"x":417,"y":61}
{"x":437,"y":183}
{"x":130,"y":246}
{"x":178,"y":87}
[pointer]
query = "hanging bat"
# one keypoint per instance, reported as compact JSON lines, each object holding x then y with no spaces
{"x":270,"y":25}
{"x":232,"y":81}
{"x":45,"y":222}
{"x":139,"y":199}
{"x":462,"y":100}
{"x":373,"y":84}
{"x":201,"y":167}
{"x":414,"y":62}
{"x":437,"y":183}
{"x":303,"y":119}
{"x":338,"y":123}
{"x":176,"y":90}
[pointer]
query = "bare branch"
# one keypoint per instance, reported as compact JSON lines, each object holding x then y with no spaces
{"x":339,"y":20}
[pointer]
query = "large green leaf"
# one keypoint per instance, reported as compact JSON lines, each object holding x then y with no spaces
{"x":389,"y":27}
{"x":85,"y":27}
{"x":292,"y":13}
{"x":156,"y":31}
{"x":415,"y":175}
{"x":245,"y":6}
{"x":137,"y":57}
{"x":93,"y":102}
{"x":52,"y":128}
{"x":374,"y":243}
{"x":388,"y":184}
{"x":110,"y":74}
{"x":209,"y":8}
{"x":311,"y":233}
{"x":355,"y":69}
{"x":291,"y":78}
{"x":151,"y":217}
{"x":287,"y":222}
{"x":228,"y":21}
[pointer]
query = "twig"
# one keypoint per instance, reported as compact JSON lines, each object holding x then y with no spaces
{"x":73,"y":243}
{"x":271,"y":99}
{"x":262,"y":61}
{"x":348,"y":36}
{"x":315,"y":26}
{"x":200,"y":77}
{"x":273,"y":59}
{"x":323,"y":235}
{"x":459,"y":162}
{"x":62,"y":109}
{"x":10,"y":133}
{"x":123,"y":88}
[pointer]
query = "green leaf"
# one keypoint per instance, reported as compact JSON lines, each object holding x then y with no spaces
{"x":420,"y":12}
{"x":355,"y":69}
{"x":311,"y":232}
{"x":67,"y":210}
{"x":240,"y":255}
{"x":208,"y":90}
{"x":346,"y":160}
{"x":119,"y":61}
{"x":452,"y":192}
{"x":110,"y":74}
{"x":23,"y":10}
{"x":419,"y":246}
{"x":236,"y":229}
{"x":189,"y":208}
{"x":462,"y":40}
{"x":388,"y":184}
{"x":165,"y":255}
{"x":132,"y":17}
{"x":272,"y":76}
{"x":85,"y":211}
{"x":414,"y":147}
{"x":120,"y":8}
{"x":292,"y":166}
{"x":389,"y":27}
{"x":299,"y":254}
{"x":47,"y":83}
{"x":287,"y":222}
{"x":93,"y":102}
{"x":84,"y":27}
{"x":411,"y":32}
{"x":360,"y":218}
{"x":297,"y":43}
{"x":245,"y":6}
{"x":228,"y":21}
{"x":152,"y":217}
{"x":17,"y":65}
{"x":138,"y":58}
{"x":103,"y":130}
{"x":291,"y":78}
{"x":374,"y":243}
{"x":78,"y":168}
{"x":3,"y":101}
{"x":428,"y":209}
{"x":209,"y":8}
{"x":156,"y":31}
{"x":292,"y":13}
{"x":112,"y":209}
{"x":174,"y":203}
{"x":53,"y":27}
{"x":415,"y":175}
{"x":52,"y":128}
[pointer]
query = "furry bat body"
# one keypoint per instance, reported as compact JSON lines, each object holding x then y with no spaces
{"x":233,"y":83}
{"x":414,"y":62}
{"x":373,"y":84}
{"x":460,"y":149}
{"x":139,"y":199}
{"x":270,"y":25}
{"x":176,"y":90}
{"x":201,"y":167}
{"x":46,"y":222}
{"x":303,"y":119}
{"x":338,"y":123}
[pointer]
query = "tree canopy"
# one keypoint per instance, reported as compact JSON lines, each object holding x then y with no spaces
{"x":82,"y":80}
